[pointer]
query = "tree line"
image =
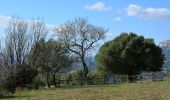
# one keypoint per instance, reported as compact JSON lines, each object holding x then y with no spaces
{"x":26,"y":53}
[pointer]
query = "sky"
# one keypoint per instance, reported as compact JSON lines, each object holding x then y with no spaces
{"x":150,"y":18}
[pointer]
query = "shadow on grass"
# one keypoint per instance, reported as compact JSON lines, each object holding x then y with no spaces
{"x":88,"y":86}
{"x":14,"y":97}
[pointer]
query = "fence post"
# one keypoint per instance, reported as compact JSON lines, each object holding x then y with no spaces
{"x":59,"y":83}
{"x":153,"y":76}
{"x":81,"y":81}
{"x":104,"y":80}
{"x":127,"y":79}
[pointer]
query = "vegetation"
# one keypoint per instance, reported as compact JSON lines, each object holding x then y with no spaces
{"x":130,"y":54}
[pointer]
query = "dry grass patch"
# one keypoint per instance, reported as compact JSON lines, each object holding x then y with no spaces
{"x":124,"y":91}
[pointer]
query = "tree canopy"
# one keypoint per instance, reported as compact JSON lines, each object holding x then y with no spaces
{"x":130,"y":54}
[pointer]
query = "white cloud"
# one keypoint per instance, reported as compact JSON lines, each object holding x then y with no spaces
{"x":4,"y":20}
{"x":99,"y":6}
{"x":148,"y":13}
{"x":51,"y":29}
{"x":109,"y":36}
{"x":117,"y":19}
{"x":1,"y":35}
{"x":51,"y":26}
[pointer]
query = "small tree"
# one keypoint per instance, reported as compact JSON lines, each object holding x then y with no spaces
{"x":58,"y":58}
{"x":38,"y":32}
{"x":130,"y":54}
{"x":80,"y":37}
{"x":52,"y":57}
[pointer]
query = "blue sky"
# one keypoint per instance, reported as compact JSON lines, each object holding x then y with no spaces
{"x":145,"y":17}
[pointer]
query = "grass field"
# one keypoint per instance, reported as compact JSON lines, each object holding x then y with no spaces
{"x":123,"y":91}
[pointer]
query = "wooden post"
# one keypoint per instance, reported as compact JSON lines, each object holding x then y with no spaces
{"x":127,"y":79}
{"x":104,"y":80}
{"x":153,"y":76}
{"x":81,"y":81}
{"x":59,"y":83}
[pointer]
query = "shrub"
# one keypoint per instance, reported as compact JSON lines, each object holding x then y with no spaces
{"x":21,"y":77}
{"x":72,"y":78}
{"x":11,"y":84}
{"x":3,"y":91}
{"x":95,"y":77}
{"x":38,"y":82}
{"x":76,"y":78}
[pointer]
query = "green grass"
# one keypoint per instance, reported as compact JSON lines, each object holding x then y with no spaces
{"x":123,"y":91}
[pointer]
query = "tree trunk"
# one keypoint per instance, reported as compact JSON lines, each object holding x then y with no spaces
{"x":48,"y":83}
{"x":58,"y":83}
{"x":130,"y":78}
{"x":153,"y":76}
{"x":85,"y":70}
{"x":54,"y":80}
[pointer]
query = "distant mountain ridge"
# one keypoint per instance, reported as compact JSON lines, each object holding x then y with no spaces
{"x":165,"y":45}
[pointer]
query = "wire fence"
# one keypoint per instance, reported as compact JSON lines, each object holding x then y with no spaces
{"x":114,"y":79}
{"x":109,"y":79}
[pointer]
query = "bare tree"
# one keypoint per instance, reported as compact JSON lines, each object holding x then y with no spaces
{"x":17,"y":44}
{"x":2,"y":72}
{"x":80,"y":37}
{"x":21,"y":37}
{"x":38,"y":32}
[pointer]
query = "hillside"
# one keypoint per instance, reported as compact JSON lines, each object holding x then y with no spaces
{"x":165,"y":45}
{"x":90,"y":61}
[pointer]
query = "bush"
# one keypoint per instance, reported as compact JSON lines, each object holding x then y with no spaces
{"x":11,"y":84}
{"x":76,"y":78}
{"x":95,"y":74}
{"x":25,"y":75}
{"x":72,"y":78}
{"x":21,"y":77}
{"x":3,"y":91}
{"x":69,"y":78}
{"x":38,"y":82}
{"x":95,"y":77}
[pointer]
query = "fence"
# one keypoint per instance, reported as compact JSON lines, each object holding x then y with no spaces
{"x":113,"y":79}
{"x":110,"y":79}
